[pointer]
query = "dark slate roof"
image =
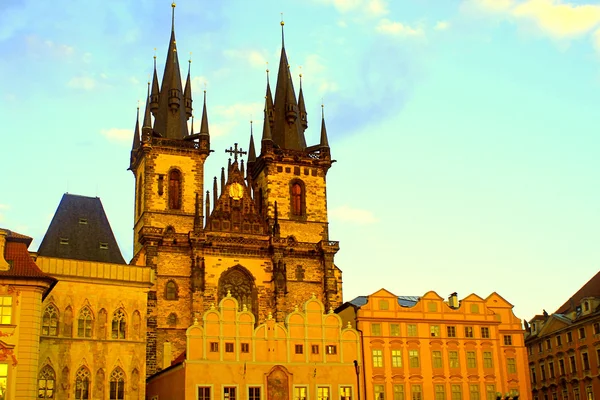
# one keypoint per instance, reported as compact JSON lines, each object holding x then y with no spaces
{"x":590,"y":289}
{"x":83,"y":223}
{"x":21,"y":264}
{"x":404,"y":301}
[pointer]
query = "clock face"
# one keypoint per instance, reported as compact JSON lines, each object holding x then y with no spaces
{"x":236,"y":191}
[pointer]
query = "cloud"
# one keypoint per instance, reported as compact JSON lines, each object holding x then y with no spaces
{"x":199,"y":83}
{"x":492,"y":5}
{"x":368,"y":8}
{"x":118,"y":135}
{"x":559,"y":20}
{"x":240,"y":110}
{"x":45,"y":47}
{"x":394,"y":28}
{"x":254,"y":58}
{"x":346,"y":213}
{"x":82,"y":82}
{"x":441,"y":26}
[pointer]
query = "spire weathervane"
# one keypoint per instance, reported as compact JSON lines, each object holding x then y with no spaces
{"x":235,"y":152}
{"x":173,"y":5}
{"x":282,"y":37}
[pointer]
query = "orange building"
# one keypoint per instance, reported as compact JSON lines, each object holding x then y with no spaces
{"x":310,"y":356}
{"x":427,"y":348}
{"x":564,"y":348}
{"x":23,"y":286}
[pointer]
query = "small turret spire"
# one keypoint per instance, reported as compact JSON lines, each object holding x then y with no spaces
{"x":204,"y":122}
{"x":215,"y":195}
{"x":252,"y":150}
{"x":147,"y":119}
{"x":154,"y":96}
{"x":136,"y":131}
{"x":269,"y":102}
{"x":207,"y":206}
{"x":266,"y":136}
{"x":187,"y":92}
{"x":223,"y":177}
{"x":324,"y":142}
{"x":302,"y":108}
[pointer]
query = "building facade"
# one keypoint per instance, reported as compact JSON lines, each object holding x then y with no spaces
{"x":309,"y":356}
{"x":92,"y":341}
{"x":564,"y":348}
{"x":427,"y":348}
{"x":261,"y":234}
{"x":23,"y":287}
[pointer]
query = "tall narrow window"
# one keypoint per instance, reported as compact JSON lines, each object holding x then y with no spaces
{"x":453,"y":358}
{"x":229,"y":393}
{"x":297,"y":197}
{"x":398,"y":392}
{"x":171,"y":291}
{"x":322,"y":393}
{"x":204,"y":393}
{"x":118,"y":325}
{"x":82,"y":384}
{"x":5,"y":309}
{"x":413,"y":358}
{"x":487,"y":360}
{"x":437,"y":359}
{"x":417,"y":392}
{"x":345,"y":393}
{"x":440,"y":392}
{"x":456,"y":392}
{"x":471,"y":360}
{"x":379,"y":392}
{"x":473,"y":392}
{"x":84,"y":323}
{"x":377,"y":358}
{"x":254,"y":393}
{"x":117,"y":384}
{"x":175,"y":190}
{"x":397,"y":358}
{"x":46,"y":383}
{"x":50,"y":321}
{"x":300,"y":392}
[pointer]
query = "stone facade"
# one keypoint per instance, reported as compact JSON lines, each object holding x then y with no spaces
{"x":93,"y":330}
{"x":310,"y":355}
{"x":428,"y":348}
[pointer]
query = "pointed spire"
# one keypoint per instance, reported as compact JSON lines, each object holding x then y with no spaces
{"x":204,"y":122}
{"x":215,"y":195}
{"x":170,"y":118}
{"x":136,"y":132}
{"x":252,"y":150}
{"x":207,"y":207}
{"x":223,"y":177}
{"x":154,"y":96}
{"x":269,"y":102}
{"x":266,"y":136}
{"x":147,"y":119}
{"x":287,"y":131}
{"x":187,"y":93}
{"x":242,"y":170}
{"x":302,"y":107}
{"x":324,"y":142}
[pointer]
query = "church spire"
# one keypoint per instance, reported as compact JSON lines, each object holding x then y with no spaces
{"x":136,"y":131}
{"x":154,"y":96}
{"x":251,"y":149}
{"x":147,"y":125}
{"x":269,"y":102}
{"x":204,"y":122}
{"x":287,"y":131}
{"x":266,"y":135}
{"x":170,"y":118}
{"x":187,"y":93}
{"x":302,"y":108}
{"x":324,"y":142}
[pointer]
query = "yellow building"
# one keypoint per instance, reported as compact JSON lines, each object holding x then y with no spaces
{"x":263,"y":232}
{"x":93,"y":327}
{"x":23,"y":286}
{"x":427,"y":348}
{"x":309,"y":356}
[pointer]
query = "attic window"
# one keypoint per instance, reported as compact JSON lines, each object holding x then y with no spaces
{"x":83,"y":221}
{"x":103,"y":245}
{"x":64,"y":240}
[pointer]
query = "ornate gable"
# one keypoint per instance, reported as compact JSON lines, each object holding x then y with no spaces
{"x":235,"y":210}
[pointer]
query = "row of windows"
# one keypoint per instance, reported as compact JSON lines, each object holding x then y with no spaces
{"x":456,"y":392}
{"x":84,"y":325}
{"x":437,"y":359}
{"x":589,"y":394}
{"x":82,"y":387}
{"x":581,"y":334}
{"x":436,"y":331}
{"x":547,"y":370}
{"x":254,"y":393}
{"x":431,"y":306}
{"x":245,"y":348}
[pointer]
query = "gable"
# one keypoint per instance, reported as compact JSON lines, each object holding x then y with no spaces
{"x":553,"y":324}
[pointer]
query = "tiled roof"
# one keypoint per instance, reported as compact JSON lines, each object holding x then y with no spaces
{"x":77,"y":230}
{"x":404,"y":301}
{"x":21,"y":264}
{"x":590,"y":289}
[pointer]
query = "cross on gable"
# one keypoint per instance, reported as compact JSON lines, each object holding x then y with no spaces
{"x":235,"y":152}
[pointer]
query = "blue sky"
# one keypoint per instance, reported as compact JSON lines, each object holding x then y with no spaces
{"x":465,"y":131}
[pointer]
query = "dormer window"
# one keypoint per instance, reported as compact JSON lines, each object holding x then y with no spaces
{"x":83,"y":221}
{"x":103,"y":245}
{"x":64,"y":240}
{"x":586,"y":306}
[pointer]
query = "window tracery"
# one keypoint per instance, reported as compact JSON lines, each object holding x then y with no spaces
{"x":46,"y":383}
{"x":118,"y":324}
{"x":117,"y":384}
{"x":50,"y":321}
{"x":82,"y":384}
{"x":240,"y":284}
{"x":84,"y":323}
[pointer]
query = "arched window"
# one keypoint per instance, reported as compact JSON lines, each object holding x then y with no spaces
{"x":239,"y":282}
{"x":50,"y":321}
{"x":82,"y":384}
{"x":297,"y":199}
{"x":171,"y":291}
{"x":118,"y":324}
{"x":117,"y":384}
{"x":84,"y":323}
{"x":172,"y":320}
{"x":175,"y":190}
{"x":46,"y":383}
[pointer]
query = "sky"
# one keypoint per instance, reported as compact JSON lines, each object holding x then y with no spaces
{"x":465,"y":131}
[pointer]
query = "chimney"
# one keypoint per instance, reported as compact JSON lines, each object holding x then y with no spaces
{"x":453,"y":301}
{"x":4,"y":266}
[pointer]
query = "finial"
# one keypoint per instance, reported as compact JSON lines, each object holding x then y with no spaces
{"x":282,"y":37}
{"x":138,"y":106}
{"x":300,"y":77}
{"x":313,"y":296}
{"x":173,"y":5}
{"x":296,"y":308}
{"x":195,"y":321}
{"x":349,"y":325}
{"x":155,"y":58}
{"x":270,"y":316}
{"x":190,"y":60}
{"x":244,"y":308}
{"x":228,"y":293}
{"x":322,"y":109}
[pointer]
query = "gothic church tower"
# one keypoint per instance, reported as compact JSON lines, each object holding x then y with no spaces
{"x":261,"y":236}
